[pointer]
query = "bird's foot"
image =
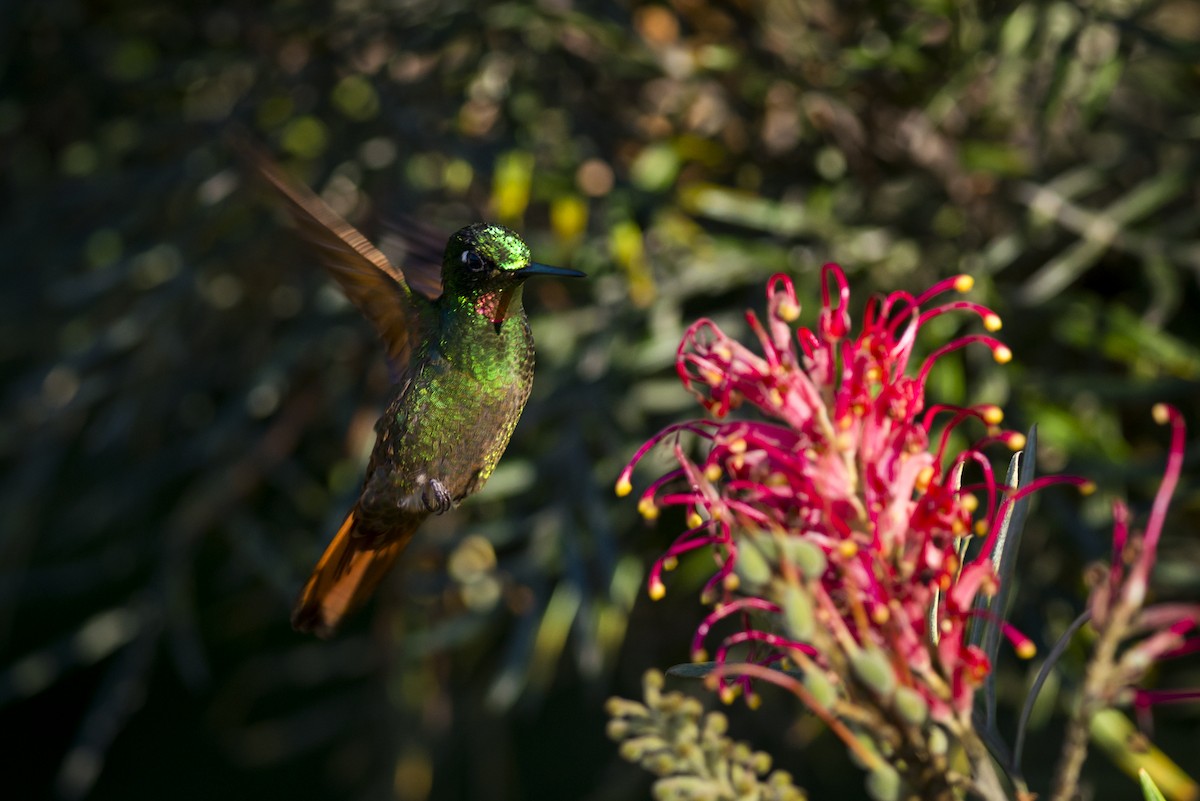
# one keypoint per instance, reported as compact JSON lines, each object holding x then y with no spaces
{"x":436,"y":498}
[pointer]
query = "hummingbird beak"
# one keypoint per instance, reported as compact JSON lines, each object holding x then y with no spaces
{"x":535,"y":268}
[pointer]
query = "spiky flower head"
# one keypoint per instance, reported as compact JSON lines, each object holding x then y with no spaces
{"x":836,"y":515}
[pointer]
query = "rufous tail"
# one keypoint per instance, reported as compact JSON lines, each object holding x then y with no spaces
{"x":344,"y":579}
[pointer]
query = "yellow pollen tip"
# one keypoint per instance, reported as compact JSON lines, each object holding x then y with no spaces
{"x":694,"y":520}
{"x":670,"y":563}
{"x":1002,"y":354}
{"x":713,"y":472}
{"x":993,"y":415}
{"x":880,"y":615}
{"x":1016,"y":442}
{"x":731,"y":582}
{"x":1160,"y":414}
{"x":980,"y":528}
{"x":992,"y":322}
{"x":775,"y":397}
{"x":924,"y":477}
{"x":848,"y":549}
{"x":788,"y":311}
{"x":737,"y":446}
{"x":1027,"y":650}
{"x":1087,"y":488}
{"x":957,"y":528}
{"x":624,"y":486}
{"x":964,"y":283}
{"x":969,"y":502}
{"x":754,"y":700}
{"x":699,"y":655}
{"x":714,"y":378}
{"x":657,"y":591}
{"x":647,"y":509}
{"x":728,"y":694}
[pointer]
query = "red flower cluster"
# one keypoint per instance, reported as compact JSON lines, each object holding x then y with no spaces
{"x":839,"y":500}
{"x":1166,"y":630}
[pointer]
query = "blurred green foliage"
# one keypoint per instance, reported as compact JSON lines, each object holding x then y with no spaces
{"x":188,"y":402}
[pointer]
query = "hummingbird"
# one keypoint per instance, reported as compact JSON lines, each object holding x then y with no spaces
{"x":460,"y":345}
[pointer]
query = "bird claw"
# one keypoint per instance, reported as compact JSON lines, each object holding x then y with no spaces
{"x":436,"y":498}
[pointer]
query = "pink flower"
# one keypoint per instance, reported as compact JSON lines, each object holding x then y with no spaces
{"x":837,"y":487}
{"x":1117,"y":601}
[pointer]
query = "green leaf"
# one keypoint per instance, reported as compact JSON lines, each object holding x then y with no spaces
{"x":1149,"y":788}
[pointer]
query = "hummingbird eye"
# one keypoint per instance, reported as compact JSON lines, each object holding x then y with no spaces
{"x":473,"y":261}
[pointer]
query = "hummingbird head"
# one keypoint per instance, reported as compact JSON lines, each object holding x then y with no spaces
{"x":486,"y":264}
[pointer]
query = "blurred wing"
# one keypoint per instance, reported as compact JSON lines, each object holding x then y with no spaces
{"x":370,"y":281}
{"x":419,"y":248}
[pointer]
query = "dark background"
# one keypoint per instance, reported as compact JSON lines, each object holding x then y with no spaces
{"x":188,"y":402}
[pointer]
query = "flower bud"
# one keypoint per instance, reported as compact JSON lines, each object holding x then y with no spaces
{"x":873,"y":669}
{"x":715,"y":724}
{"x":633,"y":750}
{"x":823,"y":690}
{"x":752,"y":567}
{"x":807,"y":557}
{"x":660,"y":764}
{"x":617,"y":729}
{"x":625,"y":708}
{"x":939,"y":742}
{"x":884,"y":784}
{"x":910,"y":706}
{"x":798,"y":612}
{"x":693,"y":788}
